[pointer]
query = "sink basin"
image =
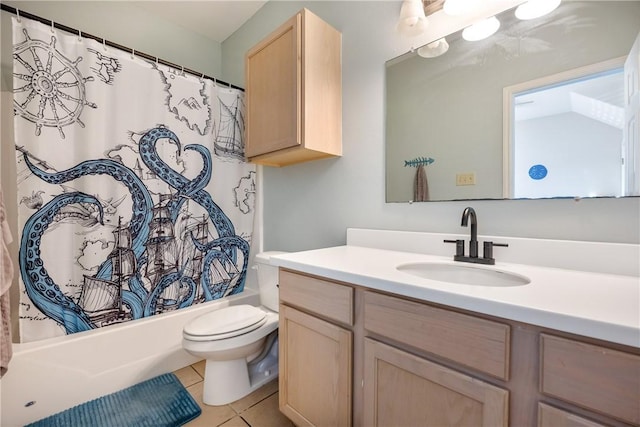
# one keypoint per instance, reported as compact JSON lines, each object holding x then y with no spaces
{"x":463,"y":274}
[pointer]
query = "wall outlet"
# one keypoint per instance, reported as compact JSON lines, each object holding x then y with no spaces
{"x":468,"y":178}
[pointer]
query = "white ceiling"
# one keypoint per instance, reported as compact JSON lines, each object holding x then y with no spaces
{"x":599,"y":97}
{"x":214,"y":19}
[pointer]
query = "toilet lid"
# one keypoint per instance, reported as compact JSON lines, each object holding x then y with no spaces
{"x":228,"y":321}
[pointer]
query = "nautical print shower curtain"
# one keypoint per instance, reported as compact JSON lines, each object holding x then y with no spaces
{"x":134,"y":197}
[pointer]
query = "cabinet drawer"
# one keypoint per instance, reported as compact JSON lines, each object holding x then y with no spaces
{"x":328,"y":299}
{"x":474,"y":342}
{"x":548,"y":416}
{"x":591,"y":376}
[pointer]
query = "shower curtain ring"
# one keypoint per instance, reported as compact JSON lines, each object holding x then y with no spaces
{"x":18,"y":15}
{"x":182,"y":71}
{"x":53,"y":27}
{"x":104,"y":44}
{"x":79,"y":35}
{"x":133,"y":53}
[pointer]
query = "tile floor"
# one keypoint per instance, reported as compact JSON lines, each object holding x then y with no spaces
{"x":259,"y":409}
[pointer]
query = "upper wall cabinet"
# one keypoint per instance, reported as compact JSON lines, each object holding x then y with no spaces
{"x":294,"y":93}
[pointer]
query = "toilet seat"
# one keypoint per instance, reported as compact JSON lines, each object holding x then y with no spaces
{"x":225,"y":323}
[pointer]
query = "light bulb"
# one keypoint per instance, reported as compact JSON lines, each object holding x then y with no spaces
{"x":412,"y":20}
{"x":481,"y":30}
{"x":536,"y":8}
{"x":434,"y":49}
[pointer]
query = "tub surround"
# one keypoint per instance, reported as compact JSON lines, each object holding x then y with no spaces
{"x":596,"y":294}
{"x":61,"y":372}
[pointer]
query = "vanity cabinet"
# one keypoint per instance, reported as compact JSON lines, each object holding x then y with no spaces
{"x":350,"y":354}
{"x":294,"y":93}
{"x":315,"y":350}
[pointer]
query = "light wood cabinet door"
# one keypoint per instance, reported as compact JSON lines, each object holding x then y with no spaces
{"x":294,"y":93}
{"x":315,"y":370}
{"x":401,"y":389}
{"x":273,"y":90}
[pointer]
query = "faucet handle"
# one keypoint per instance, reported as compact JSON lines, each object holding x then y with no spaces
{"x":488,"y":248}
{"x":459,"y":246}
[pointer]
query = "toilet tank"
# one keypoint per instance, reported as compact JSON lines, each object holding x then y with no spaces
{"x":267,"y":279}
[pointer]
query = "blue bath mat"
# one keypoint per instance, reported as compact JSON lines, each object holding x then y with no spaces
{"x":159,"y":402}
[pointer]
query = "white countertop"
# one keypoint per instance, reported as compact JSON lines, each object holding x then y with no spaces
{"x":592,"y":304}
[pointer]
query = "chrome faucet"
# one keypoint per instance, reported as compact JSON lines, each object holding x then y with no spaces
{"x":473,"y":243}
{"x":487,"y":256}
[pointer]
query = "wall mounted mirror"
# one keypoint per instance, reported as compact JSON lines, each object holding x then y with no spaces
{"x":538,"y":110}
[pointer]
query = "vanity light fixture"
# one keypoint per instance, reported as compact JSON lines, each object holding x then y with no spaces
{"x":536,"y":8}
{"x":434,"y":49}
{"x":481,"y":29}
{"x":413,"y":20}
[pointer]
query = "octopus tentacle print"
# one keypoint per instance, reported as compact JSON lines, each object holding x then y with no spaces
{"x":137,"y":288}
{"x":151,"y":303}
{"x":141,"y":199}
{"x":212,"y":253}
{"x":203,"y":178}
{"x":133,"y":301}
{"x":190,"y":297}
{"x":40,"y":287}
{"x":152,"y":160}
{"x":196,"y":184}
{"x":215,"y":290}
{"x":161,"y":284}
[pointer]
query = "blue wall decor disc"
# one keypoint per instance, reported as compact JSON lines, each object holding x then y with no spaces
{"x":537,"y":172}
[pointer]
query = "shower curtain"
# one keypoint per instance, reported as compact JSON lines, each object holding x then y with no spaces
{"x":134,"y":198}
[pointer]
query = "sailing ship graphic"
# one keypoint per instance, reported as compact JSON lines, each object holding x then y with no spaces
{"x":170,"y":248}
{"x":229,"y":139}
{"x":101,"y":298}
{"x":161,"y":246}
{"x":198,"y":231}
{"x":221,"y":275}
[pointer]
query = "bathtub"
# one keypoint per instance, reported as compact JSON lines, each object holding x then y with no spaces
{"x":48,"y":376}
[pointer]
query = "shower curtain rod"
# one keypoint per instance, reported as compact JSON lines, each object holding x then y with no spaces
{"x":62,"y":27}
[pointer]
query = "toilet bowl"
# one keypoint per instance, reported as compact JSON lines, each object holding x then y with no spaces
{"x":239,"y":343}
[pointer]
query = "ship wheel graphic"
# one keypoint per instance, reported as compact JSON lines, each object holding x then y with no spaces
{"x":54,"y":93}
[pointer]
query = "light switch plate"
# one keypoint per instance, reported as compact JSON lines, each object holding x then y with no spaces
{"x":468,"y":178}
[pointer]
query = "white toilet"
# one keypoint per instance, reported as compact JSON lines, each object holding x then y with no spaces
{"x":239,"y":343}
